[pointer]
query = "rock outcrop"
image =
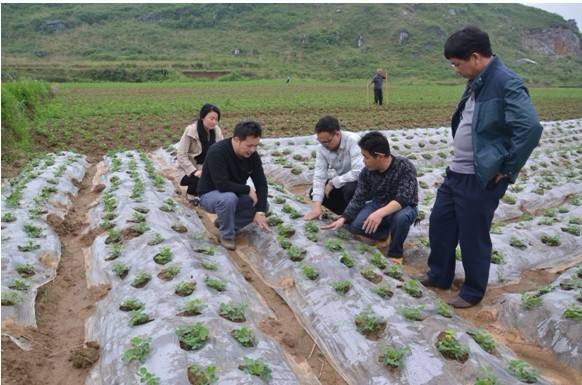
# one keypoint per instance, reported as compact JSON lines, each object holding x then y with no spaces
{"x":555,"y":41}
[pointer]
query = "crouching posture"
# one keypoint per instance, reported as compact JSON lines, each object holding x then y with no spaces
{"x":223,"y":189}
{"x":386,"y":198}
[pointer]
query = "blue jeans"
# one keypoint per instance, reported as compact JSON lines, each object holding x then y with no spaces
{"x":398,"y":224}
{"x":234,"y":211}
{"x":462,"y":214}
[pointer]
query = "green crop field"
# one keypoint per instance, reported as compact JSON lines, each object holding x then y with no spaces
{"x":93,"y":118}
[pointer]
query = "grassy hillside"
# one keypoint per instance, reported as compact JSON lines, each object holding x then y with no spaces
{"x":110,"y":41}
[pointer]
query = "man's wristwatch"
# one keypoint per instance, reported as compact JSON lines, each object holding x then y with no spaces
{"x":262,"y":213}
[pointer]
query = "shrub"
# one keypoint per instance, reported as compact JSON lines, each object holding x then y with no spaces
{"x":523,"y":371}
{"x":193,"y":337}
{"x":233,"y":312}
{"x":256,"y":367}
{"x":450,"y":348}
{"x":483,"y":338}
{"x":140,"y":348}
{"x":200,"y":375}
{"x":393,"y":357}
{"x":245,"y":336}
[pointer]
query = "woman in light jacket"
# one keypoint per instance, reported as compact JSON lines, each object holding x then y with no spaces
{"x":194,"y":144}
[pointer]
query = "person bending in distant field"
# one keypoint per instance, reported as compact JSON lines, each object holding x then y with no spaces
{"x":386,"y":198}
{"x":339,"y":152}
{"x":194,"y":145}
{"x":223,"y":189}
{"x":378,"y":82}
{"x":495,"y":129}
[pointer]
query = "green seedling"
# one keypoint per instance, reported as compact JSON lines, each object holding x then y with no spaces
{"x":531,"y":301}
{"x":168,"y":206}
{"x":517,"y":243}
{"x":343,"y":233}
{"x":563,"y":210}
{"x":8,"y":217}
{"x":193,"y":337}
{"x":483,"y":338}
{"x":310,"y":272}
{"x":120,"y":269}
{"x":497,"y":257}
{"x":25,"y":270}
{"x":571,"y":283}
{"x":215,"y":283}
{"x":296,"y":253}
{"x":378,"y":260}
{"x":142,"y":210}
{"x":185,"y":288}
{"x":141,"y":279}
{"x":279,"y":200}
{"x":200,"y":375}
{"x":138,"y":217}
{"x":245,"y":336}
{"x":179,"y":228}
{"x":572,"y":229}
{"x":487,"y":378}
{"x":147,"y":378}
{"x":444,"y":309}
{"x":113,"y":236}
{"x":312,"y":237}
{"x":274,"y":220}
{"x":139,"y":317}
{"x":393,"y":357}
{"x":19,"y":284}
{"x":292,"y":211}
{"x":369,"y":323}
{"x":523,"y":371}
{"x":551,"y":240}
{"x":131,"y":304}
{"x":383,"y":291}
{"x":208,"y":249}
{"x":169,"y":273}
{"x":412,"y":287}
{"x":450,"y":348}
{"x":346,"y":259}
{"x":413,"y":313}
{"x":371,"y":275}
{"x":311,"y":227}
{"x":423,"y":184}
{"x":284,"y":242}
{"x":575,"y":221}
{"x":28,"y":246}
{"x":209,"y":265}
{"x":342,"y":287}
{"x":395,"y":271}
{"x":334,"y":244}
{"x":156,"y":240}
{"x":256,"y":368}
{"x":286,"y":231}
{"x":550,"y":213}
{"x":140,"y":348}
{"x":10,"y":298}
{"x":192,"y":307}
{"x":509,"y":199}
{"x":364,"y":248}
{"x":109,"y":216}
{"x":233,"y":312}
{"x":164,"y":256}
{"x":545,"y":290}
{"x":573,"y":311}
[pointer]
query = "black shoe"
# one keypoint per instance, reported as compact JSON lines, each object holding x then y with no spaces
{"x":195,"y":201}
{"x":216,"y":223}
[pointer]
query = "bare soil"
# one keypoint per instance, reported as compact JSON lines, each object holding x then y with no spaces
{"x":59,"y":355}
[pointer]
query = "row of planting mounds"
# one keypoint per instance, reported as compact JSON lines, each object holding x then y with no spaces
{"x":375,"y":324}
{"x":177,"y":311}
{"x":31,"y":249}
{"x":550,"y":315}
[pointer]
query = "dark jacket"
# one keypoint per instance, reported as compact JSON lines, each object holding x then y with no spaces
{"x":506,"y":127}
{"x":224,"y":171}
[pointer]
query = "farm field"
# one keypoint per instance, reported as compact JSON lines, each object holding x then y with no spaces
{"x":94,"y":118}
{"x":155,"y":299}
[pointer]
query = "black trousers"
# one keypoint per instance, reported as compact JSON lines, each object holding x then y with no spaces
{"x":462,"y":214}
{"x":338,"y":197}
{"x":378,"y":96}
{"x":192,"y":182}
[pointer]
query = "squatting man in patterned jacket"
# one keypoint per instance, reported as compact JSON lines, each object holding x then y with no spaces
{"x":386,"y":197}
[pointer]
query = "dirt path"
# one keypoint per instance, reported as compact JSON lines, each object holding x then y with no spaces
{"x":62,"y":306}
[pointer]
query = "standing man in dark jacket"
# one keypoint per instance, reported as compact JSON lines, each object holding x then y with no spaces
{"x":386,"y":198}
{"x":495,"y":129}
{"x":378,"y":82}
{"x":223,"y":189}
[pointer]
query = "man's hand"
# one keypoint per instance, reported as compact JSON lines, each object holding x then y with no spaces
{"x":372,"y":222}
{"x":315,"y":212}
{"x":261,"y":221}
{"x":328,"y":188}
{"x":335,"y":224}
{"x":499,"y":176}
{"x":253,"y":196}
{"x":197,"y":173}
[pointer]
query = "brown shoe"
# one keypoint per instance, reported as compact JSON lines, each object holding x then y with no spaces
{"x":228,"y":243}
{"x":460,"y":303}
{"x":216,"y":223}
{"x":426,"y":281}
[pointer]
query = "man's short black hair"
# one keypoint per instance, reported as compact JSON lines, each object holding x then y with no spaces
{"x":462,"y":44}
{"x":375,"y":143}
{"x":247,"y":128}
{"x":327,"y":124}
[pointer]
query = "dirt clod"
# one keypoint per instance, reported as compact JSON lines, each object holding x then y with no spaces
{"x":86,"y":356}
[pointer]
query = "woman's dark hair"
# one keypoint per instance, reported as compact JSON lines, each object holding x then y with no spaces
{"x":462,"y":44}
{"x":327,"y":124}
{"x":375,"y":143}
{"x":247,"y":128}
{"x":206,"y":109}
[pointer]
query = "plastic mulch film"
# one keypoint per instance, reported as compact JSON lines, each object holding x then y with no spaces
{"x":31,"y":250}
{"x":170,"y":254}
{"x":550,"y":316}
{"x":312,"y":284}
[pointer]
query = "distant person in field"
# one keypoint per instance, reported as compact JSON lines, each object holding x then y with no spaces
{"x":338,"y":163}
{"x":223,"y":189}
{"x":495,"y":129}
{"x":378,"y":82}
{"x":386,"y":198}
{"x":194,"y":145}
